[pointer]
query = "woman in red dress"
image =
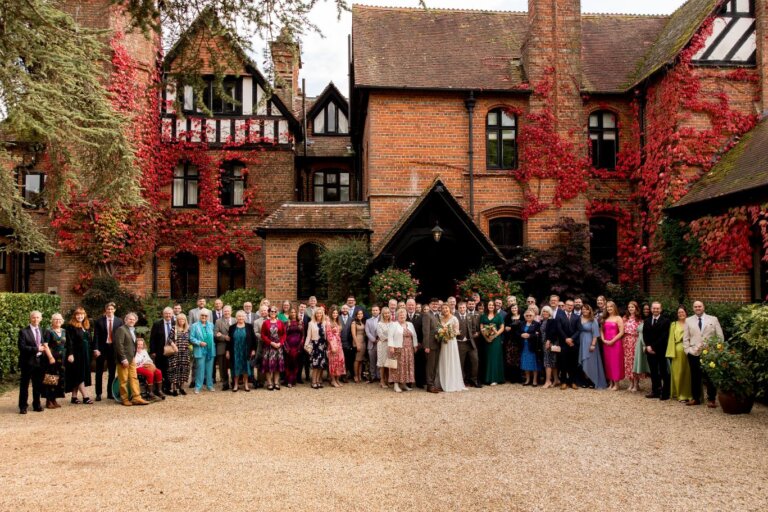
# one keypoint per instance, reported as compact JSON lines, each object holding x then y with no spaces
{"x":336,"y":366}
{"x":294,"y":343}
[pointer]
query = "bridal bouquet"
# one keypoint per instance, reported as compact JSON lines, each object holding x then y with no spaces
{"x":489,"y":330}
{"x":446,"y":333}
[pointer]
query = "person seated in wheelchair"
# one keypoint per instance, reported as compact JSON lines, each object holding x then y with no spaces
{"x":147,"y":369}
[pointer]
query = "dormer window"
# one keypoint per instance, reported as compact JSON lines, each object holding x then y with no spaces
{"x":331,"y":120}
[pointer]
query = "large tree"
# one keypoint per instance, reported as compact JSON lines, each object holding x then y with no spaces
{"x":54,"y":99}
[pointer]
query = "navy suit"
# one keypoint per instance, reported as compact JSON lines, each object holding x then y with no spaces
{"x":568,"y":360}
{"x":107,"y":353}
{"x":30,"y":367}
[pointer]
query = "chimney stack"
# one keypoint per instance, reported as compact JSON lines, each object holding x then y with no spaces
{"x":286,"y":60}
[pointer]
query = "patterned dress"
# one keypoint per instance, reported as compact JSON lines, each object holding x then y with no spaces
{"x":319,"y":356}
{"x":550,"y":358}
{"x":405,"y":371}
{"x":274,"y":360}
{"x":58,"y":345}
{"x":240,"y":365}
{"x":529,"y":360}
{"x":512,"y":341}
{"x":630,"y":340}
{"x":178,"y":364}
{"x":294,"y":344}
{"x":336,"y":367}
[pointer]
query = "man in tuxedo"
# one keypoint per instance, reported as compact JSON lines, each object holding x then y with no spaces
{"x":125,"y":351}
{"x":420,"y":358}
{"x":158,"y":338}
{"x":31,"y":351}
{"x":699,"y":329}
{"x":568,"y":326}
{"x":656,"y":337}
{"x":467,"y":346}
{"x":194,"y":313}
{"x":370,"y":336}
{"x":103,"y":333}
{"x":347,"y":344}
{"x":218,"y":311}
{"x":430,"y":323}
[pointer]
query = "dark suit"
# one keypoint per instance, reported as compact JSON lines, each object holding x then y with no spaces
{"x":430,"y":324}
{"x":420,"y":358}
{"x":106,"y":352}
{"x":656,"y":336}
{"x":157,"y":340}
{"x":568,"y":360}
{"x":30,"y":367}
{"x":347,"y":343}
{"x":467,"y":346}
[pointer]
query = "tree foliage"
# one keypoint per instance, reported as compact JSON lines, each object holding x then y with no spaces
{"x":343,"y":269}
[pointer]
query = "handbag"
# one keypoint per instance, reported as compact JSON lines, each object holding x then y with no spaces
{"x":308,"y":346}
{"x":50,"y":380}
{"x":391,"y":364}
{"x":555,"y":348}
{"x":170,"y":349}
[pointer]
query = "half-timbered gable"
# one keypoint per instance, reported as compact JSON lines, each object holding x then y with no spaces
{"x":733,"y":41}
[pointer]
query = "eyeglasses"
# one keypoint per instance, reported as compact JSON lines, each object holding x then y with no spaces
{"x":273,"y":311}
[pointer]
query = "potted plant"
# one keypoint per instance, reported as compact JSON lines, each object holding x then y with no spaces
{"x":730,"y":374}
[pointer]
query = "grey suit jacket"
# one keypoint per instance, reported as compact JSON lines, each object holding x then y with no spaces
{"x":694,"y":339}
{"x":429,"y":325}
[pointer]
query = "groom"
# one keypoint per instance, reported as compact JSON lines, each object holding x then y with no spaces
{"x":430,"y":324}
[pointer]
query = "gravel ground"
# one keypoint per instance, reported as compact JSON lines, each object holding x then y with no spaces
{"x":362,"y":448}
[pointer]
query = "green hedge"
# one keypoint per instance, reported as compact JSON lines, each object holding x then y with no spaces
{"x":14,"y":315}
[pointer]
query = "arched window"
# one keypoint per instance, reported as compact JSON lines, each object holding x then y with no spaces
{"x":308,"y":265}
{"x":231,"y":272}
{"x":506,"y":233}
{"x":501,"y":139}
{"x":331,"y":186}
{"x":232,"y":184}
{"x":603,"y":248}
{"x":185,"y":276}
{"x":604,"y":136}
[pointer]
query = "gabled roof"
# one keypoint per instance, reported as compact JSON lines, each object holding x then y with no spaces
{"x":437,"y":188}
{"x":676,"y":34}
{"x":353,"y":217}
{"x":743,"y":169}
{"x":415,"y":48}
{"x":329,"y":93}
{"x":209,"y":20}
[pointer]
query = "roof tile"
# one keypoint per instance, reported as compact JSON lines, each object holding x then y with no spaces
{"x":319,"y":216}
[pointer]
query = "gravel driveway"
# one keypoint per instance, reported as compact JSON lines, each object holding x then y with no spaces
{"x":361,"y":448}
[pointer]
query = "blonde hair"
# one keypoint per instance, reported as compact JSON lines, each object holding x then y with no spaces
{"x":177,"y":327}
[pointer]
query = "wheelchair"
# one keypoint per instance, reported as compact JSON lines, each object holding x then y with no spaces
{"x":144,"y":389}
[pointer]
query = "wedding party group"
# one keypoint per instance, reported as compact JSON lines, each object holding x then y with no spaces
{"x":441,"y":346}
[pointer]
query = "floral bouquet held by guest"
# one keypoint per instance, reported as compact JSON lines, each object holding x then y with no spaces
{"x":489,"y":331}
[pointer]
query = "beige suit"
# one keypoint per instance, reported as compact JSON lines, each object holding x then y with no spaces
{"x":695,"y":338}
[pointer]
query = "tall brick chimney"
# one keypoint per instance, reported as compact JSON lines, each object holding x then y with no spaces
{"x":554,"y":41}
{"x":761,"y":15}
{"x":286,"y":59}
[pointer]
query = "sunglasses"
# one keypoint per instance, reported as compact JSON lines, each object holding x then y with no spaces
{"x":273,"y":311}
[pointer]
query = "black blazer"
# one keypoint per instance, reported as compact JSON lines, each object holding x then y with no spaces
{"x":568,"y":329}
{"x":100,"y":332}
{"x":534,"y":342}
{"x":157,"y":337}
{"x":28,"y":348}
{"x":250,"y":342}
{"x":416,"y":321}
{"x":656,"y":336}
{"x":550,"y":332}
{"x":215,"y":316}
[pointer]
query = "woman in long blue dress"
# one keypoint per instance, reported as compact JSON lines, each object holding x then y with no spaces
{"x":589,"y":355}
{"x":494,"y":362}
{"x":530,"y":333}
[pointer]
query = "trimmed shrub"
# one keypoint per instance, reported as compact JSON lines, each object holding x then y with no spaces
{"x":344,"y":268}
{"x":106,"y":289}
{"x":393,"y":283}
{"x":14,"y":315}
{"x":236,"y":298}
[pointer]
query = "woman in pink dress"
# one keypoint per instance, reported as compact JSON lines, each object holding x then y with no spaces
{"x":612,"y":332}
{"x":336,"y":367}
{"x":631,"y":322}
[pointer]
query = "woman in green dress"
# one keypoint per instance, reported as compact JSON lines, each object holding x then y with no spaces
{"x":681,"y":370}
{"x":492,"y":327}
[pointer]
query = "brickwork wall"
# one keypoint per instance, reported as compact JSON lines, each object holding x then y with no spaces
{"x":718,"y":286}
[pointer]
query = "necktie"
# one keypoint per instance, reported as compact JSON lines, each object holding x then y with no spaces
{"x":109,"y":330}
{"x":37,"y":336}
{"x":653,"y":322}
{"x":699,"y":323}
{"x":167,"y":330}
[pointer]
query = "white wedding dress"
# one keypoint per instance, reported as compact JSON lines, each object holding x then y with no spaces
{"x":449,"y":364}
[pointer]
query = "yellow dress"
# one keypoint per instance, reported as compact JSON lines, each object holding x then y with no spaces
{"x":681,"y":371}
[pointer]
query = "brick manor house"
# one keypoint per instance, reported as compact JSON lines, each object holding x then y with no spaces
{"x":433,"y":136}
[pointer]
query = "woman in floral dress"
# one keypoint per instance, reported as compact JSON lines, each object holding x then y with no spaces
{"x":273,"y":337}
{"x":317,"y":347}
{"x":336,"y":367}
{"x":632,"y":321}
{"x":178,"y":363}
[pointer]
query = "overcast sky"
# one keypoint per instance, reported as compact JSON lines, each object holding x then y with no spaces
{"x":324,"y":58}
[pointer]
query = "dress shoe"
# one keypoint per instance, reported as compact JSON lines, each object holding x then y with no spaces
{"x":477,"y":384}
{"x":563,"y":386}
{"x":574,"y":386}
{"x":49,"y":405}
{"x":110,"y":397}
{"x":139,"y":401}
{"x":692,"y":402}
{"x":126,"y":403}
{"x":22,"y":411}
{"x":432,"y":390}
{"x":225,"y":387}
{"x":664,"y":398}
{"x":651,"y":395}
{"x":98,"y":398}
{"x":711,"y":404}
{"x":37,"y":408}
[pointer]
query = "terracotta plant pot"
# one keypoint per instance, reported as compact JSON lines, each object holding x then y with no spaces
{"x":733,"y":404}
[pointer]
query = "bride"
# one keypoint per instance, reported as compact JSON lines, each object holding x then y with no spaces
{"x":449,"y":364}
